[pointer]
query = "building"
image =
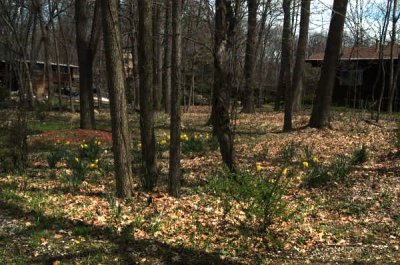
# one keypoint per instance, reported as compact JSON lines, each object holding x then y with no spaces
{"x":9,"y":77}
{"x":358,"y":82}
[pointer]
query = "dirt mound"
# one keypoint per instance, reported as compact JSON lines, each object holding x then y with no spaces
{"x":72,"y":136}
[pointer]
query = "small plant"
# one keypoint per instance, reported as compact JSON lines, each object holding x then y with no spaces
{"x":397,"y":136}
{"x":56,"y":155}
{"x":340,"y":167}
{"x":80,"y":169}
{"x":90,"y":150}
{"x":359,"y":156}
{"x":258,"y":195}
{"x":318,"y":174}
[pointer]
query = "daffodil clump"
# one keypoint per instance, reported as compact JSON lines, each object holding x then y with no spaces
{"x":80,"y":160}
{"x":257,"y":193}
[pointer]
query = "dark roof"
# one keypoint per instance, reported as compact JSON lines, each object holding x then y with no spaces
{"x":360,"y":53}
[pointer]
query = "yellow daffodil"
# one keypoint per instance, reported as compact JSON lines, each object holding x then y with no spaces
{"x":96,"y":161}
{"x":284,"y":172}
{"x":97,"y":142}
{"x":207,"y":136}
{"x":315,"y":159}
{"x":139,"y":146}
{"x":92,"y":166}
{"x":259,"y":167}
{"x":163,"y":142}
{"x":305,"y":164}
{"x":76,"y":159}
{"x":272,"y":180}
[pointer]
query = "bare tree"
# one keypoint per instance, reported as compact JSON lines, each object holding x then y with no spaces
{"x":118,"y":106}
{"x":157,"y":56}
{"x":248,"y":104}
{"x":174,"y":156}
{"x":145,"y":50}
{"x":220,"y":117}
{"x":166,"y":75}
{"x":298,"y":70}
{"x":87,"y":39}
{"x":321,"y":110}
{"x":285,"y":76}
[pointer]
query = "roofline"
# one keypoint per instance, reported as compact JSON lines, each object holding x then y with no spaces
{"x":354,"y":59}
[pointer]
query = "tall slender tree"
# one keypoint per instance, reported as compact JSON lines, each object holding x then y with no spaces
{"x":145,"y":50}
{"x":322,"y":104}
{"x":220,"y":118}
{"x":250,"y":59}
{"x":285,"y":76}
{"x":118,"y":106}
{"x":157,"y":55}
{"x":298,"y":70}
{"x":392,"y":75}
{"x":174,"y":150}
{"x":284,"y":81}
{"x":166,"y":75}
{"x":87,"y":39}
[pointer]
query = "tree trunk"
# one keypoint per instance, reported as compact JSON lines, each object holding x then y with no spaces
{"x":392,"y":84}
{"x":174,"y":183}
{"x":118,"y":106}
{"x":323,"y":99}
{"x":166,"y":75}
{"x":301,"y":54}
{"x":220,"y":118}
{"x":86,"y":45}
{"x":285,"y":84}
{"x":157,"y":56}
{"x":248,"y":103}
{"x":149,"y":164}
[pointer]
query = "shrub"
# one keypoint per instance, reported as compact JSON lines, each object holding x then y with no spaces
{"x":13,"y":140}
{"x":258,"y":195}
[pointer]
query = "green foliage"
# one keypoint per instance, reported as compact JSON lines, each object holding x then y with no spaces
{"x":318,"y":174}
{"x":56,"y":155}
{"x":359,"y":156}
{"x":14,"y":147}
{"x":41,"y":109}
{"x":90,"y":150}
{"x":4,"y":93}
{"x":198,"y":143}
{"x":80,"y":170}
{"x":258,"y":195}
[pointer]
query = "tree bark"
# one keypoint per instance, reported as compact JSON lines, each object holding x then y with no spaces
{"x":392,"y":83}
{"x":118,"y":105}
{"x":285,"y":82}
{"x":87,"y":46}
{"x":149,"y":164}
{"x":248,"y":103}
{"x":323,"y":99}
{"x":298,"y":70}
{"x":166,"y":75}
{"x":174,"y":183}
{"x":220,"y":118}
{"x":157,"y":56}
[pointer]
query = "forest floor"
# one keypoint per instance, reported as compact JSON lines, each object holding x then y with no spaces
{"x":356,"y":221}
